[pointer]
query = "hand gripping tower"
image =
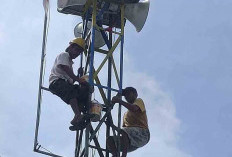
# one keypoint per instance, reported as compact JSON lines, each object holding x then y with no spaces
{"x":102,"y":19}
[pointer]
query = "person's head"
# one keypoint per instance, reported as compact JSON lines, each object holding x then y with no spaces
{"x":76,"y":47}
{"x":130,"y":94}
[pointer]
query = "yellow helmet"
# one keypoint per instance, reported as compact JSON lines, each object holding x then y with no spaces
{"x":79,"y":41}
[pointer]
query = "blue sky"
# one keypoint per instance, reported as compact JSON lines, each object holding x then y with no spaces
{"x":182,"y":57}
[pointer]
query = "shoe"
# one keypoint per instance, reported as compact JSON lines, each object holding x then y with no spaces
{"x":80,"y":126}
{"x":81,"y":118}
{"x":76,"y":119}
{"x":82,"y":123}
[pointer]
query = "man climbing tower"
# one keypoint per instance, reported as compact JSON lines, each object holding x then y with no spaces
{"x":135,"y":132}
{"x":62,"y":80}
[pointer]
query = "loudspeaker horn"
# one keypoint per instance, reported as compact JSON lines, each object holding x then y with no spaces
{"x":137,"y":13}
{"x":99,"y":41}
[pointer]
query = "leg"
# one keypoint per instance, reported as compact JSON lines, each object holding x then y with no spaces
{"x":68,"y":93}
{"x":125,"y":141}
{"x":111,"y":146}
{"x":74,"y":105}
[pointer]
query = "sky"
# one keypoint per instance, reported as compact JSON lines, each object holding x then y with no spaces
{"x":180,"y":63}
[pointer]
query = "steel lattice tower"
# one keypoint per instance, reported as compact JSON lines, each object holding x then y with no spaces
{"x":103,"y":20}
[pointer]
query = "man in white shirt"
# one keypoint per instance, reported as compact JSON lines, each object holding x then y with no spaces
{"x":62,"y":79}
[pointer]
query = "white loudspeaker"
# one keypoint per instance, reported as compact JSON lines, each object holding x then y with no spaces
{"x":99,"y":41}
{"x":66,"y":3}
{"x":137,"y":13}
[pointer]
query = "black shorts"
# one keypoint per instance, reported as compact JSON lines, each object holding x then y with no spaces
{"x":67,"y":91}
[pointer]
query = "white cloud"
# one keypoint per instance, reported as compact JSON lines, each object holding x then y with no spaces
{"x":163,"y":123}
{"x":2,"y":35}
{"x":17,"y":116}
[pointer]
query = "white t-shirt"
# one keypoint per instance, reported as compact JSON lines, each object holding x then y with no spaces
{"x":56,"y":73}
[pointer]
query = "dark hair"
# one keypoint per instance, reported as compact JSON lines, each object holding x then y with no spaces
{"x":129,"y":89}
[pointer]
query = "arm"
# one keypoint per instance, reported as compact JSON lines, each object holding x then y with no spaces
{"x":111,"y":124}
{"x":131,"y":107}
{"x":63,"y":62}
{"x":69,"y":72}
